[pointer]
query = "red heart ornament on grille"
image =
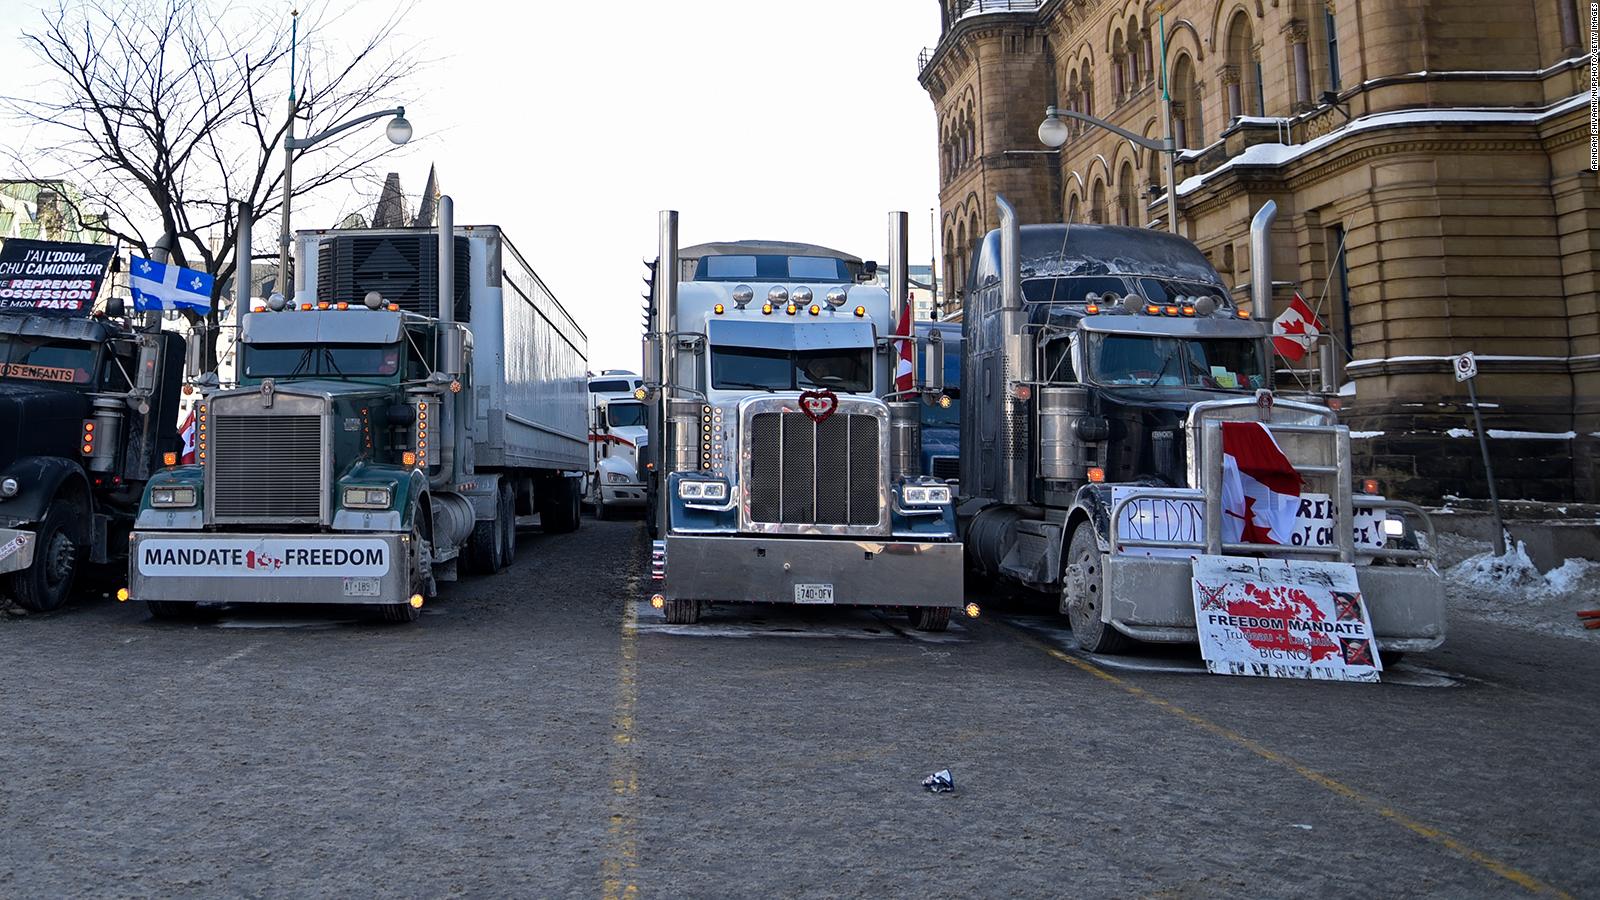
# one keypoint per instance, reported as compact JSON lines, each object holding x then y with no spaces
{"x":819,"y":405}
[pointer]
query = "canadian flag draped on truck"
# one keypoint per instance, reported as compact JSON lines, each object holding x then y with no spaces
{"x":1260,"y":488}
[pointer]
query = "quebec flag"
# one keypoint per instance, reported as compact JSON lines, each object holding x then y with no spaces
{"x":162,"y":286}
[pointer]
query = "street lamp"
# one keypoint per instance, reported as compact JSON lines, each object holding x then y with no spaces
{"x":398,"y":131}
{"x":1053,"y":132}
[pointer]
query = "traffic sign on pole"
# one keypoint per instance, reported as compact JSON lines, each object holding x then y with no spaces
{"x":1465,"y":366}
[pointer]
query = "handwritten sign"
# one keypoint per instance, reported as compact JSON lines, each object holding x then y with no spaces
{"x":1159,"y":519}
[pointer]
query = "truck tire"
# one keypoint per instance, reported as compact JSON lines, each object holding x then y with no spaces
{"x":57,"y":557}
{"x":484,"y":546}
{"x":421,"y":575}
{"x":1083,"y":595}
{"x":682,"y":612}
{"x":930,"y":618}
{"x":508,"y":515}
{"x":561,"y":505}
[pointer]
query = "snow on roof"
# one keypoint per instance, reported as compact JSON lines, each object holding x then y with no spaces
{"x":1266,"y":155}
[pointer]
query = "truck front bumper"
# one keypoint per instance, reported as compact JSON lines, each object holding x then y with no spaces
{"x":370,"y":568}
{"x":1151,"y":599}
{"x":621,"y":495}
{"x":767,"y":569}
{"x":16,"y":549}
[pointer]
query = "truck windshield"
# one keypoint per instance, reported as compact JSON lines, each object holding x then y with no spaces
{"x":44,"y":359}
{"x":337,"y":360}
{"x":1226,"y":364}
{"x":1071,"y":290}
{"x":847,"y":369}
{"x":625,"y":415}
{"x":773,"y":268}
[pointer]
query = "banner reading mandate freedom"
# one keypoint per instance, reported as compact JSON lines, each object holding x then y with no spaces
{"x":52,"y":278}
{"x":1283,"y":619}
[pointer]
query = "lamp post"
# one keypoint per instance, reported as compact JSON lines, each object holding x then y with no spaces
{"x":1053,"y":132}
{"x":398,"y":132}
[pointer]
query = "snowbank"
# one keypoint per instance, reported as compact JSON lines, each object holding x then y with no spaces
{"x":1510,"y":589}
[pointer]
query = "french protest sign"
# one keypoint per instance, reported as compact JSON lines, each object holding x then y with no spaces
{"x":52,"y":278}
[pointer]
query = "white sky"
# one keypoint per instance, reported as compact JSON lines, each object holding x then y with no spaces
{"x":570,"y":124}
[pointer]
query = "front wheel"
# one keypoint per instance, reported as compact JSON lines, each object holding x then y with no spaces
{"x":1083,"y":595}
{"x":62,"y":539}
{"x":930,"y":618}
{"x":682,"y":612}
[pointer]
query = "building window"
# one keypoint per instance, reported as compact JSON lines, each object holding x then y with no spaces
{"x":1339,"y":273}
{"x":1261,"y":89}
{"x":1333,"y":49}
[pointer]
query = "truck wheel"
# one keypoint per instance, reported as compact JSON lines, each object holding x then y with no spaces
{"x":1083,"y":596}
{"x":421,"y":583}
{"x":930,"y":618}
{"x":400,"y":613}
{"x":561,"y":505}
{"x":171,"y":610}
{"x":682,"y":612}
{"x":47,"y":583}
{"x":483,"y":548}
{"x":508,"y":514}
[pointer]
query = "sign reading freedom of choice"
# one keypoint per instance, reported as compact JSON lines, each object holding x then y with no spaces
{"x":51,"y":278}
{"x":1283,"y":619}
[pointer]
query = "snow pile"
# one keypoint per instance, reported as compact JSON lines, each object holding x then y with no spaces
{"x":1511,"y":590}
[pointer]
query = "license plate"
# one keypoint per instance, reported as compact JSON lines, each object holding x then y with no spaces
{"x":362,"y":587}
{"x":813,"y":593}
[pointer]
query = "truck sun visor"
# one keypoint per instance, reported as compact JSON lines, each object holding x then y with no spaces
{"x":803,"y":335}
{"x":350,"y":326}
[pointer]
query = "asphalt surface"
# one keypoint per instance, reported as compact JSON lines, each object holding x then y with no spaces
{"x":543,"y":733}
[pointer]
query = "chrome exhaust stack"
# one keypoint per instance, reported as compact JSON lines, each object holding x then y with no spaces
{"x":905,"y":418}
{"x":1261,"y":261}
{"x":1016,"y":363}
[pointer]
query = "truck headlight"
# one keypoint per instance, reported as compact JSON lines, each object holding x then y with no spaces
{"x":9,"y":488}
{"x":366,"y":498}
{"x":703,"y":490}
{"x":925,"y":494}
{"x":616,"y":478}
{"x":172,"y":497}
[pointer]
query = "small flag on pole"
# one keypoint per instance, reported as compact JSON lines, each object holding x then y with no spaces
{"x":166,"y":286}
{"x":1295,"y":330}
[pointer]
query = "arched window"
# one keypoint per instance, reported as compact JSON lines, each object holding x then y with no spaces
{"x":1127,"y":196}
{"x":973,"y":234}
{"x":959,"y":284}
{"x":1097,"y":202}
{"x":1088,"y":90}
{"x":1074,"y":101}
{"x":1240,"y":75}
{"x":1073,"y":207}
{"x":1119,"y":84}
{"x":1187,"y":125}
{"x":1136,"y":40}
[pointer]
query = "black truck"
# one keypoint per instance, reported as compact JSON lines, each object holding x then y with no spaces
{"x":88,"y":410}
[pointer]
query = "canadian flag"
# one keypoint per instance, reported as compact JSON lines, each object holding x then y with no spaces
{"x":186,"y":431}
{"x":1260,"y":488}
{"x":1295,"y":330}
{"x":904,"y":374}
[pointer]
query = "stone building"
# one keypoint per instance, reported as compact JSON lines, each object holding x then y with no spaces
{"x":1431,"y":161}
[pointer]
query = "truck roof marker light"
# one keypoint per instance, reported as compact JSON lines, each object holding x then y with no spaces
{"x":342,"y":305}
{"x":1370,"y":486}
{"x":718,"y":309}
{"x":394,"y":307}
{"x":416,"y":601}
{"x":305,"y":306}
{"x":766,"y":310}
{"x":123,"y":595}
{"x":322,"y":304}
{"x":791,"y":309}
{"x":1188,"y":311}
{"x":861,"y":312}
{"x":815,"y":309}
{"x":971,"y":609}
{"x":1097,"y":474}
{"x":1152,"y":310}
{"x":1092,"y":309}
{"x":1172,"y":310}
{"x":169,"y":458}
{"x":1243,"y":313}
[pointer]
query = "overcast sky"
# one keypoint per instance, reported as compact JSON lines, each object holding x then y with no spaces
{"x":570,"y":124}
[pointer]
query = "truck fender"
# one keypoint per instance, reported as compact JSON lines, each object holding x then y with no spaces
{"x":1092,"y":504}
{"x":418,"y":503}
{"x":41,"y":479}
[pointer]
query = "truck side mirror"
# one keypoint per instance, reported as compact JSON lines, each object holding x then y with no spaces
{"x":452,"y":350}
{"x":194,"y":355}
{"x":933,"y":362}
{"x":869,"y":271}
{"x":115,"y":308}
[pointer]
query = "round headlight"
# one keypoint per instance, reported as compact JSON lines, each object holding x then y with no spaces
{"x":802,"y":296}
{"x":743,"y":294}
{"x":9,"y":487}
{"x":778,"y":296}
{"x":837,"y":296}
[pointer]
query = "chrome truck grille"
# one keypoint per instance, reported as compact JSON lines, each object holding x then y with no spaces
{"x":822,"y":477}
{"x":266,"y":467}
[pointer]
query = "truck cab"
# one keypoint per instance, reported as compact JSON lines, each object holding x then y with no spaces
{"x":618,"y":430}
{"x":941,"y":415}
{"x":88,"y":409}
{"x":790,"y":473}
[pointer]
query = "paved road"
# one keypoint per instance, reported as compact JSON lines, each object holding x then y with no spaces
{"x":543,"y":733}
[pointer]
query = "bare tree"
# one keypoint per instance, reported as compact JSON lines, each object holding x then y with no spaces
{"x":164,"y":112}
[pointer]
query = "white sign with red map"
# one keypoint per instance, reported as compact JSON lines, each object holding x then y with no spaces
{"x":1280,"y":618}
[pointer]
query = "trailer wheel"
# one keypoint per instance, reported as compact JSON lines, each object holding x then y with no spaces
{"x":682,"y":612}
{"x":930,"y":618}
{"x":560,"y":505}
{"x":1083,"y":595}
{"x":57,"y":556}
{"x":483,"y":548}
{"x":508,"y":513}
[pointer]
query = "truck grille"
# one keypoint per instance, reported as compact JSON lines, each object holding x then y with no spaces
{"x":266,"y":467}
{"x":806,"y":473}
{"x":947,"y":467}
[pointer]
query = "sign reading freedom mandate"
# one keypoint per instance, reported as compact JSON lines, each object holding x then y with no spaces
{"x":1282,"y":618}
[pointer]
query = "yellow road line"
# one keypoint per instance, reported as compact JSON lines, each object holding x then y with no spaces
{"x":1427,"y":832}
{"x":622,"y":852}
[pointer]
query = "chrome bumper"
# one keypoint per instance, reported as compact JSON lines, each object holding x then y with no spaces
{"x":269,"y":568}
{"x":766,"y":570}
{"x":622,"y":494}
{"x":1151,"y":599}
{"x":16,"y":549}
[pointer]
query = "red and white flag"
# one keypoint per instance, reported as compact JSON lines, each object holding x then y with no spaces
{"x":904,"y":379}
{"x":186,"y":431}
{"x":1295,"y":330}
{"x":1260,"y":488}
